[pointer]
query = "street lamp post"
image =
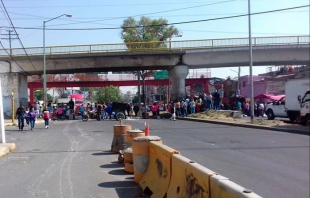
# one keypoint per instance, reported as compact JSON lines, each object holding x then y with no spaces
{"x":13,"y":108}
{"x":44,"y":59}
{"x":251,"y":64}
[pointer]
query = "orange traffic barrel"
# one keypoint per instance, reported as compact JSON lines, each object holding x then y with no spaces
{"x":118,"y":142}
{"x":128,"y":157}
{"x":129,"y":167}
{"x":132,"y":134}
{"x":141,"y":154}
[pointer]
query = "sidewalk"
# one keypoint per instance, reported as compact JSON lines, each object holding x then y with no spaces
{"x":302,"y":130}
{"x":8,"y":122}
{"x":9,"y":147}
{"x":6,"y":148}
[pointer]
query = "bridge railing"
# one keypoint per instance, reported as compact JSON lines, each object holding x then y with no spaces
{"x":162,"y":45}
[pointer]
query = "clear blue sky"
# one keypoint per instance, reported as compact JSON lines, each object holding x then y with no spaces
{"x":98,"y":13}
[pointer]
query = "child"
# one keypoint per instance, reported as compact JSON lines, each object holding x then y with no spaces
{"x":68,"y":113}
{"x":46,"y":116}
{"x":54,"y":114}
{"x":26,"y":116}
{"x":32,"y":117}
{"x":173,"y":113}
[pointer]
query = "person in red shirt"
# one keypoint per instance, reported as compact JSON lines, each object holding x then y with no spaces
{"x":46,"y":116}
{"x":154,"y":110}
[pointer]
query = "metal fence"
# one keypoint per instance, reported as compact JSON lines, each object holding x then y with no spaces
{"x":162,"y":45}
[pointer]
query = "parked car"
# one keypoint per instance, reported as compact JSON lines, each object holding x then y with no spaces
{"x":276,"y":109}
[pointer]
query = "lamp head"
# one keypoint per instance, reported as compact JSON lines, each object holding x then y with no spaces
{"x":69,"y":15}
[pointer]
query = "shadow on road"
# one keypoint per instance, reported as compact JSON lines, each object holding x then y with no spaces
{"x":124,"y":189}
{"x":118,"y":172}
{"x":118,"y":184}
{"x":104,"y":153}
{"x":113,"y":165}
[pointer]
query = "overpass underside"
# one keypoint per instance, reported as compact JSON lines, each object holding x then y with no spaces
{"x":194,"y":59}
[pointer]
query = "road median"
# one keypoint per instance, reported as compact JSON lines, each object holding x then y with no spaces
{"x":296,"y":130}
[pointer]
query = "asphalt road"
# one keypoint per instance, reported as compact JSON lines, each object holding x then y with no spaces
{"x":71,"y":159}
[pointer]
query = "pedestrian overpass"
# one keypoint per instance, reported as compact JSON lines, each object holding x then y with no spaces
{"x":208,"y":53}
{"x":178,"y":58}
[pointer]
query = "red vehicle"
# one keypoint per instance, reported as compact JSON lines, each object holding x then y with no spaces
{"x":79,"y":100}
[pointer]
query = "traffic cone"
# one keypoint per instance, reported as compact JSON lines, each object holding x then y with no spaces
{"x":147,"y":130}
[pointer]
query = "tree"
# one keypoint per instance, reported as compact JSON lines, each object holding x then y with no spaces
{"x":39,"y":96}
{"x":127,"y":97}
{"x":154,"y":31}
{"x":109,"y":94}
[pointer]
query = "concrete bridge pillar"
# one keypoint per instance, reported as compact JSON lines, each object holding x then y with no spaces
{"x":17,"y":84}
{"x":177,"y":76}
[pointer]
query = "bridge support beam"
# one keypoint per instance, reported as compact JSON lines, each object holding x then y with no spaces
{"x":177,"y":76}
{"x":17,"y":84}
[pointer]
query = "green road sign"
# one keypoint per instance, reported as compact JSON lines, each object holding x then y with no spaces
{"x":161,"y":74}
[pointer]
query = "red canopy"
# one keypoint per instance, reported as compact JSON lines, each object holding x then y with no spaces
{"x":270,"y":97}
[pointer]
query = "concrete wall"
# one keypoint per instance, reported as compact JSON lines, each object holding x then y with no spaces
{"x":16,"y":83}
{"x":264,"y":86}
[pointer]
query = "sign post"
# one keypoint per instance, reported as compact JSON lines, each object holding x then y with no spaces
{"x":161,"y":75}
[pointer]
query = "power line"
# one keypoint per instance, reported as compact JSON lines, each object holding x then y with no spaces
{"x":163,"y":16}
{"x":225,"y":32}
{"x":10,"y":38}
{"x":103,"y":5}
{"x":178,"y":9}
{"x":176,"y":23}
{"x":10,"y":55}
{"x":20,"y":41}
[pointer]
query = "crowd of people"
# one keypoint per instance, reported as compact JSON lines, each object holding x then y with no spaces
{"x":31,"y":113}
{"x":192,"y":105}
{"x":176,"y":108}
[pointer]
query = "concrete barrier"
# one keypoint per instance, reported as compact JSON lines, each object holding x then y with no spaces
{"x":141,"y":154}
{"x":222,"y":187}
{"x":118,"y":142}
{"x":157,"y":178}
{"x":189,"y":179}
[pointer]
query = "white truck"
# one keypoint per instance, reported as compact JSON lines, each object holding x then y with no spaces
{"x":305,"y":109}
{"x":276,"y":109}
{"x":297,"y":103}
{"x":63,"y":100}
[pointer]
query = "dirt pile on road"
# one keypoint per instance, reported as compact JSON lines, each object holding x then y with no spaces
{"x":225,"y":116}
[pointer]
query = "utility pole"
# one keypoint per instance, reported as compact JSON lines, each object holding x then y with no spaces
{"x":238,"y":88}
{"x":251,"y":64}
{"x":10,"y":36}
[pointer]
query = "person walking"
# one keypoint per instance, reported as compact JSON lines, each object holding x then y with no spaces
{"x":173,"y":111}
{"x":32,"y":117}
{"x":128,"y":109}
{"x":46,"y":116}
{"x":82,"y":111}
{"x":71,"y":106}
{"x":184,"y":107}
{"x":26,"y":116}
{"x":177,"y":108}
{"x":20,"y":114}
{"x":192,"y":106}
{"x":36,"y":107}
{"x":136,"y":109}
{"x":239,"y":106}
